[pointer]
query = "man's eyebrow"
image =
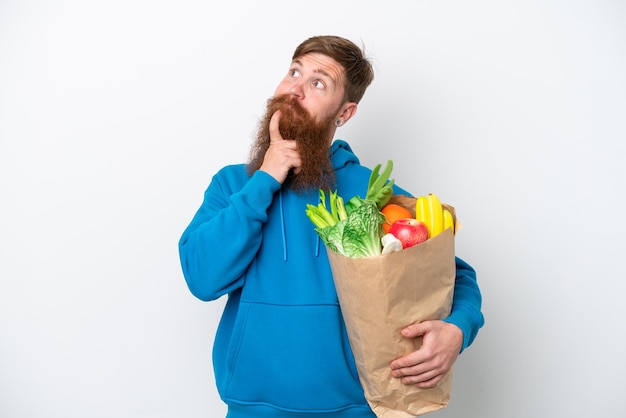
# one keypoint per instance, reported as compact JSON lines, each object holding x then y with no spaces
{"x":317,"y":70}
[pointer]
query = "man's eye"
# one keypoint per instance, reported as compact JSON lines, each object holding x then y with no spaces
{"x":318,"y":84}
{"x":294,"y":73}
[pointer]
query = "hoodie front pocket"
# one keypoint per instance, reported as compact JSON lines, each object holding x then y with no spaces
{"x":292,"y":357}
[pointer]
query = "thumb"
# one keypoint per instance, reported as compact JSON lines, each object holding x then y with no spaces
{"x":414,"y":330}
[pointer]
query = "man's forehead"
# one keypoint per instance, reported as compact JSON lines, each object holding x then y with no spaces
{"x":321,"y":64}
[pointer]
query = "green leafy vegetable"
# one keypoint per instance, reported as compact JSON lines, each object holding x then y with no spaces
{"x":379,"y":188}
{"x":321,"y":216}
{"x":358,"y":235}
{"x":362,"y":232}
{"x":354,"y":229}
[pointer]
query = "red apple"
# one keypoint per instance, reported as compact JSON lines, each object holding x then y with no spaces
{"x":409,"y":231}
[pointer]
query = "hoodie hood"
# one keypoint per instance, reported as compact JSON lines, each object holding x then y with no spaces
{"x":341,"y":154}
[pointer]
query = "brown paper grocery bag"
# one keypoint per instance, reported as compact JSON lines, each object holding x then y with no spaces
{"x":381,"y":295}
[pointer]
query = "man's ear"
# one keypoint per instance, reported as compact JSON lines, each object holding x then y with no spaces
{"x":349,"y":110}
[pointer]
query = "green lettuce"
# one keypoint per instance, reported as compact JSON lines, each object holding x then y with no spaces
{"x":355,"y":233}
{"x":354,"y":229}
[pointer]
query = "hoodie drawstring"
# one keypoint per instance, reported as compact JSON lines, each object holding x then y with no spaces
{"x":317,"y":246}
{"x":283,"y":233}
{"x":282,"y":224}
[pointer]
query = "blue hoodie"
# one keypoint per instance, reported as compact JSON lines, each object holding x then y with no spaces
{"x":281,"y":348}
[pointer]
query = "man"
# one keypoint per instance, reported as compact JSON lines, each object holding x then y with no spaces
{"x":281,"y":348}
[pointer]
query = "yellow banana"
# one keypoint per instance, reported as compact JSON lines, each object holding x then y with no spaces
{"x":448,"y":220}
{"x":422,"y":211}
{"x":429,"y":210}
{"x":436,"y":216}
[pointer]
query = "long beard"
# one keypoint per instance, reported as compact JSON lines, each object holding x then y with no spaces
{"x":313,"y":139}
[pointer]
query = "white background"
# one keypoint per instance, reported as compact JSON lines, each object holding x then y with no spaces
{"x":114,"y":116}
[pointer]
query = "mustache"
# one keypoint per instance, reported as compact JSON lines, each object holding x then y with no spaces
{"x":286,"y":101}
{"x":292,"y":115}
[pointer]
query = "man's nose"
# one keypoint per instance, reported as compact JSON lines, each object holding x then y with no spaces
{"x":296,"y":89}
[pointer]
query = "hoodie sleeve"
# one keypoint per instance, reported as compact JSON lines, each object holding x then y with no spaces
{"x":225,"y":235}
{"x":466,"y":303}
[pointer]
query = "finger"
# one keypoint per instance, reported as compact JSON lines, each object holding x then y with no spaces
{"x":413,"y":330}
{"x":409,"y":371}
{"x":424,"y":382}
{"x":402,"y":365}
{"x":274,"y":127}
{"x":297,"y":167}
{"x":419,"y":373}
